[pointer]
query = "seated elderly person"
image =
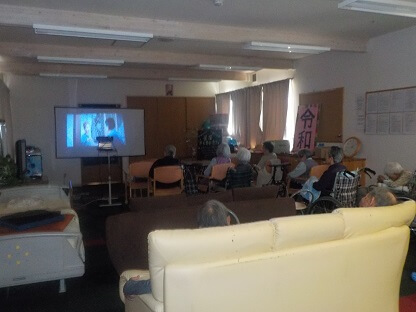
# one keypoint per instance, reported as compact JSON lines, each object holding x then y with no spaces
{"x":212,"y":214}
{"x":168,"y":160}
{"x":223,"y":157}
{"x":300,"y":174}
{"x":242,"y":174}
{"x":324,"y":186}
{"x":396,"y":175}
{"x":378,"y":196}
{"x":267,"y":155}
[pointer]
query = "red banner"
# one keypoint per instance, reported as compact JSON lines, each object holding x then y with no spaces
{"x":306,"y":124}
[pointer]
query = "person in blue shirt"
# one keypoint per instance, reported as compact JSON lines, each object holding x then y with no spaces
{"x":86,"y":138}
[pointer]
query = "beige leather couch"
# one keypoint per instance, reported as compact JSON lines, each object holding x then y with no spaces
{"x":348,"y":261}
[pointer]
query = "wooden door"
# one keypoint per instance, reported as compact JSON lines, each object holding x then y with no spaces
{"x":198,"y":109}
{"x":330,"y":113}
{"x":171,"y":119}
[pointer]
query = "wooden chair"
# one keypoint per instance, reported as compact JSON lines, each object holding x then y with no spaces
{"x":167,"y":175}
{"x":316,"y":171}
{"x":137,"y":177}
{"x":218,"y":174}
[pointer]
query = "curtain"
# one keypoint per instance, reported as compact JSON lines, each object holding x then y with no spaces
{"x":6,"y":115}
{"x":239,"y":116}
{"x":255,"y":134}
{"x":223,"y":103}
{"x":275,"y":102}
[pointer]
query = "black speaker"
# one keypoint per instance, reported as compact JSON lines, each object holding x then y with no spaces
{"x":21,"y":158}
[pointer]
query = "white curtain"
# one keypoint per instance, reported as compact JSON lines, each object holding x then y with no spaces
{"x":222,"y":103}
{"x":5,"y":114}
{"x":253,"y":116}
{"x":275,"y":102}
{"x":239,"y":116}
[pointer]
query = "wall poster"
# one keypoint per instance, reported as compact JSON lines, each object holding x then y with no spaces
{"x":306,"y":125}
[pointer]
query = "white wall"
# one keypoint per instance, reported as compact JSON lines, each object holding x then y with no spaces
{"x":33,"y":100}
{"x":389,"y":63}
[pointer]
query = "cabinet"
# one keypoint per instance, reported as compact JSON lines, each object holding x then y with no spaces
{"x":172,"y":120}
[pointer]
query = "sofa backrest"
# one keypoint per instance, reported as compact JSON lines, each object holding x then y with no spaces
{"x":157,"y":202}
{"x":252,"y":193}
{"x":224,"y":197}
{"x":328,"y":261}
{"x":205,"y":245}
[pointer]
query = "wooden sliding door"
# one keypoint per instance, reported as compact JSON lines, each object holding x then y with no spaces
{"x":171,"y":120}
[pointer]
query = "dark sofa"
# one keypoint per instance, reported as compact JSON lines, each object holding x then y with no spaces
{"x":127,"y":233}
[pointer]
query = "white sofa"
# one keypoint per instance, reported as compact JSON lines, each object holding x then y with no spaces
{"x":350,"y":260}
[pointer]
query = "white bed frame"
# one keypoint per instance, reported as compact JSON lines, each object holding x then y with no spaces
{"x":36,"y":257}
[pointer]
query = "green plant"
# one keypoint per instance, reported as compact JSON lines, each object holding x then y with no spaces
{"x":8,"y":171}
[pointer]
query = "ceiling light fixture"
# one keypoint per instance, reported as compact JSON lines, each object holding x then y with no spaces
{"x":284,"y":47}
{"x":227,"y":68}
{"x":193,"y":79}
{"x":91,"y":33}
{"x":391,"y":7}
{"x":79,"y":61}
{"x":58,"y":75}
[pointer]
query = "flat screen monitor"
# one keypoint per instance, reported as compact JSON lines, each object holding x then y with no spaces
{"x":77,"y":130}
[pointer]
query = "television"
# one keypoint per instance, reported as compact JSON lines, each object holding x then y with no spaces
{"x":77,"y":130}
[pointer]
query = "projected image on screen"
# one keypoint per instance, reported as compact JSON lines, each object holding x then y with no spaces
{"x":77,"y":130}
{"x":83,"y":129}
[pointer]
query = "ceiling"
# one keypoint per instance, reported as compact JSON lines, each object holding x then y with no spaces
{"x":186,"y":33}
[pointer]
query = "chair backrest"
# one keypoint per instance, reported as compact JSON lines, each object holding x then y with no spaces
{"x":345,"y":188}
{"x":317,"y":171}
{"x":168,"y":174}
{"x":140,"y":169}
{"x":219,"y":172}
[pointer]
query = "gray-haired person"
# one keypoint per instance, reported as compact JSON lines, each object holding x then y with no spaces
{"x":396,"y":175}
{"x":223,"y":157}
{"x":323,"y":186}
{"x":242,"y":174}
{"x":378,"y":196}
{"x":302,"y":171}
{"x":168,"y":159}
{"x":212,"y":214}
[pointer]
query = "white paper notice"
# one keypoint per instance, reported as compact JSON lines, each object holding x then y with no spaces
{"x":410,"y":104}
{"x":371,"y":124}
{"x":383,"y":102}
{"x":383,"y":123}
{"x":372,"y":103}
{"x":396,"y":123}
{"x":398,"y":101}
{"x":409,"y":123}
{"x":360,"y":114}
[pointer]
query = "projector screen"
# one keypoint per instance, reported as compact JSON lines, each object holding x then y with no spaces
{"x":77,"y":129}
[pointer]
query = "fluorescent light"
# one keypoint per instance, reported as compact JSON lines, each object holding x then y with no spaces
{"x":285,"y":47}
{"x":228,"y":68}
{"x":193,"y":79}
{"x":80,"y":61}
{"x":91,"y":33}
{"x":391,"y":7}
{"x":58,"y":75}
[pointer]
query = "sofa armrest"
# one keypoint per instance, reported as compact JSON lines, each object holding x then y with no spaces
{"x":126,"y":275}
